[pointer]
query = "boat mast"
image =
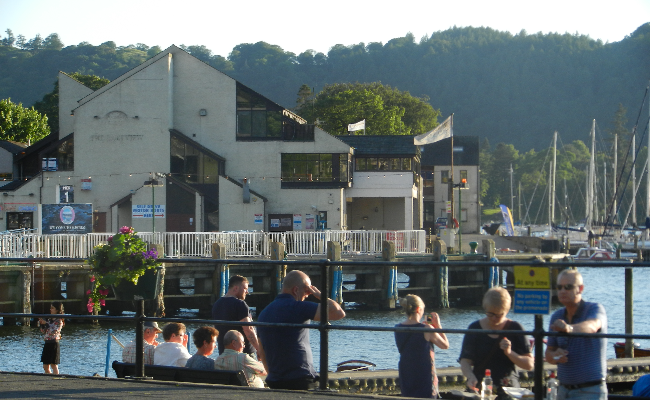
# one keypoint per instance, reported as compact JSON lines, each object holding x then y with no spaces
{"x":553,"y":172}
{"x":615,"y":180}
{"x":634,"y":179}
{"x":591,"y":177}
{"x":647,"y":186}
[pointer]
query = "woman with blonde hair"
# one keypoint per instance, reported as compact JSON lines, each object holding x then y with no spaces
{"x":417,"y":367}
{"x":495,"y":352}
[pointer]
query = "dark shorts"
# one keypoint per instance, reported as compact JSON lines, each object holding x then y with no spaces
{"x":51,"y":353}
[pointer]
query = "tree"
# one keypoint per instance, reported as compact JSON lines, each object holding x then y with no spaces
{"x":387,"y":111}
{"x":49,"y":105}
{"x":9,"y":40}
{"x":21,"y":124}
{"x":52,"y":42}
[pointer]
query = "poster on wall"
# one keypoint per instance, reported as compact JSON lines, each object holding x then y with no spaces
{"x":297,"y":222}
{"x":259,"y":219}
{"x":309,"y":221}
{"x":67,"y":218}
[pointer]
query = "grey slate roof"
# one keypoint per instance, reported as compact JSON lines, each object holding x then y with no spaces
{"x":439,"y":153}
{"x":376,"y":145}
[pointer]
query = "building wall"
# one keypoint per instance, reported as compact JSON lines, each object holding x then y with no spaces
{"x":469,"y":197}
{"x":234,"y":214}
{"x":70,"y":91}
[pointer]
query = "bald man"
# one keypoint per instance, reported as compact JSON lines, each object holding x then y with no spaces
{"x":286,"y":351}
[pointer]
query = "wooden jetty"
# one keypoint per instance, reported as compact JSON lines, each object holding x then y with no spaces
{"x":195,"y":284}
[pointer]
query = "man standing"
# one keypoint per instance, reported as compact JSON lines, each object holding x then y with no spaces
{"x":581,"y":361}
{"x":232,"y":359}
{"x":150,"y":333}
{"x":286,"y":351}
{"x":172,"y":353}
{"x":232,"y":307}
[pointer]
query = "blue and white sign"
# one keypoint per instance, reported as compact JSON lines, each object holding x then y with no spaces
{"x":532,"y":301}
{"x":145,"y":211}
{"x":67,"y":218}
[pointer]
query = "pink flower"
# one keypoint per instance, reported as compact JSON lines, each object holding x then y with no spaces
{"x":102,"y":302}
{"x":90,"y":306}
{"x":92,"y":278}
{"x":103,"y":292}
{"x":89,"y":291}
{"x":126,"y":230}
{"x":110,"y":239}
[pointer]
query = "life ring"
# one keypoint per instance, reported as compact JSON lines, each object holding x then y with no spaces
{"x":455,"y":222}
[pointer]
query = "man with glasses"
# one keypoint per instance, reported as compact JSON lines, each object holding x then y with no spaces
{"x":286,"y":351}
{"x":232,"y":359}
{"x":581,"y":361}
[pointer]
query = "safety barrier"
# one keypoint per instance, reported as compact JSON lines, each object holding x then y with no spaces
{"x":199,"y":244}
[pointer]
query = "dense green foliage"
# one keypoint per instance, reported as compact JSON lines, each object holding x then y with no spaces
{"x":387,"y":111}
{"x":21,"y":124}
{"x":508,"y":88}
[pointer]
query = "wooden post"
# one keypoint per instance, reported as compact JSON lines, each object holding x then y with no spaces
{"x":489,"y":248}
{"x":389,"y":275}
{"x":280,"y":271}
{"x":26,"y":298}
{"x":221,"y":273}
{"x":629,"y":313}
{"x":336,"y":271}
{"x":438,"y":249}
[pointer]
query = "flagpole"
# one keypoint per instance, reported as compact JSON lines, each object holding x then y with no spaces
{"x":450,"y":221}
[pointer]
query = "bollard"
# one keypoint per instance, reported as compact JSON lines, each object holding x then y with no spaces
{"x":108,"y":352}
{"x":324,"y":321}
{"x":629,"y":313}
{"x":139,"y":340}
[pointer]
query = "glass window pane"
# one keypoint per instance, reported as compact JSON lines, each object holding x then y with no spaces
{"x":372,"y":164}
{"x":244,"y":123}
{"x":343,"y":167}
{"x":395,"y":164}
{"x":406,"y":164}
{"x":274,"y":123}
{"x":361,"y":164}
{"x":384,"y":164}
{"x":258,"y":123}
{"x":444,"y":176}
{"x":210,"y":169}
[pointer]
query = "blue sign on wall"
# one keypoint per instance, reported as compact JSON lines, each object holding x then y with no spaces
{"x":532,"y":301}
{"x":67,"y":218}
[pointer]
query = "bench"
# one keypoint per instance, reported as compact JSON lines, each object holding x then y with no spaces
{"x":179,"y":374}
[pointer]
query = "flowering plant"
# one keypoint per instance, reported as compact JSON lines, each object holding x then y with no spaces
{"x":124,"y":257}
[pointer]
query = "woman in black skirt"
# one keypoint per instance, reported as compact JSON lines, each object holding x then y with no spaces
{"x":52,"y":330}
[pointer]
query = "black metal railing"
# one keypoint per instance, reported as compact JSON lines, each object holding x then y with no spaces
{"x":324,"y":327}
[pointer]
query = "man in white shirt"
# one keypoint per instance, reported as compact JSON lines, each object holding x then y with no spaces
{"x":172,"y":353}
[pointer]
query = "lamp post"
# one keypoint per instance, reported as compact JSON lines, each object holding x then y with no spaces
{"x":154,"y":183}
{"x":460,"y":186}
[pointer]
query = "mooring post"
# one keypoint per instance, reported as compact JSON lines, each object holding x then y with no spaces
{"x":389,"y":275}
{"x":157,"y":309}
{"x":139,"y":339}
{"x":443,"y":274}
{"x":324,"y":322}
{"x":629,"y":313}
{"x":25,"y":301}
{"x":280,"y":270}
{"x":221,"y":273}
{"x":336,"y":271}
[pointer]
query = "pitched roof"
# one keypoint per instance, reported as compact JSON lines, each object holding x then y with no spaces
{"x":13,"y":147}
{"x":381,"y":145}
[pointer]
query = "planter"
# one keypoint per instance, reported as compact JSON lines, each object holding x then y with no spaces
{"x":148,"y":287}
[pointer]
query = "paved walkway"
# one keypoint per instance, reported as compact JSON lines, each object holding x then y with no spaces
{"x":40,"y":386}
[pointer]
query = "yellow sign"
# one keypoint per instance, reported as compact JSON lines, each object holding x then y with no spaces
{"x":532,"y":277}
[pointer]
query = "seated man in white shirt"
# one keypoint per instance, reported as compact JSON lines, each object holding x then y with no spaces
{"x":233,"y":359}
{"x":150,"y":333}
{"x":172,"y":353}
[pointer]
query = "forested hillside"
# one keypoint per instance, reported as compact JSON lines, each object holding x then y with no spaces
{"x":515,"y":89}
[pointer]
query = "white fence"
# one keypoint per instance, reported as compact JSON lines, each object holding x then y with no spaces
{"x":199,"y":244}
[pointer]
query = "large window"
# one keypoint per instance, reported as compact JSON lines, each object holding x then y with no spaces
{"x":444,"y":176}
{"x":64,"y":154}
{"x":315,"y":170}
{"x":192,"y":165}
{"x":261,"y":119}
{"x":384,"y":164}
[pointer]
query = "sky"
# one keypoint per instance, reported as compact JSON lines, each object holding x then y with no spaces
{"x":297,"y":26}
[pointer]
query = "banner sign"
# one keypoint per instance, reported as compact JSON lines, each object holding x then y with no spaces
{"x":67,"y":218}
{"x":507,"y":219}
{"x":144,"y":211}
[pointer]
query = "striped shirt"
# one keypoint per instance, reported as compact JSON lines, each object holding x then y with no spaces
{"x":128,"y":353}
{"x":232,"y":360}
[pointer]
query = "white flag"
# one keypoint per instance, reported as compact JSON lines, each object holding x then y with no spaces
{"x":358,"y":126}
{"x":440,"y":132}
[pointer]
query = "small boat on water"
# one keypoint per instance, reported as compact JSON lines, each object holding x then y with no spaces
{"x":619,"y":350}
{"x":354,"y":365}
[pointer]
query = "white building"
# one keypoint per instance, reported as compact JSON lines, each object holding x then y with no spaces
{"x":222,"y":157}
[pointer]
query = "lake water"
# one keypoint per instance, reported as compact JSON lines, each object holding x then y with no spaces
{"x":83,"y":347}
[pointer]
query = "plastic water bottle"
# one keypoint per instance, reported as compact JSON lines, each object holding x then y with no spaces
{"x":486,"y":386}
{"x":551,"y":387}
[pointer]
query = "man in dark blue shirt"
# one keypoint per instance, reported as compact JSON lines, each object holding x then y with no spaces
{"x":232,"y":307}
{"x":286,"y":351}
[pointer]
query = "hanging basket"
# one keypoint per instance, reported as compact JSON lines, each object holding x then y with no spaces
{"x":148,"y":287}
